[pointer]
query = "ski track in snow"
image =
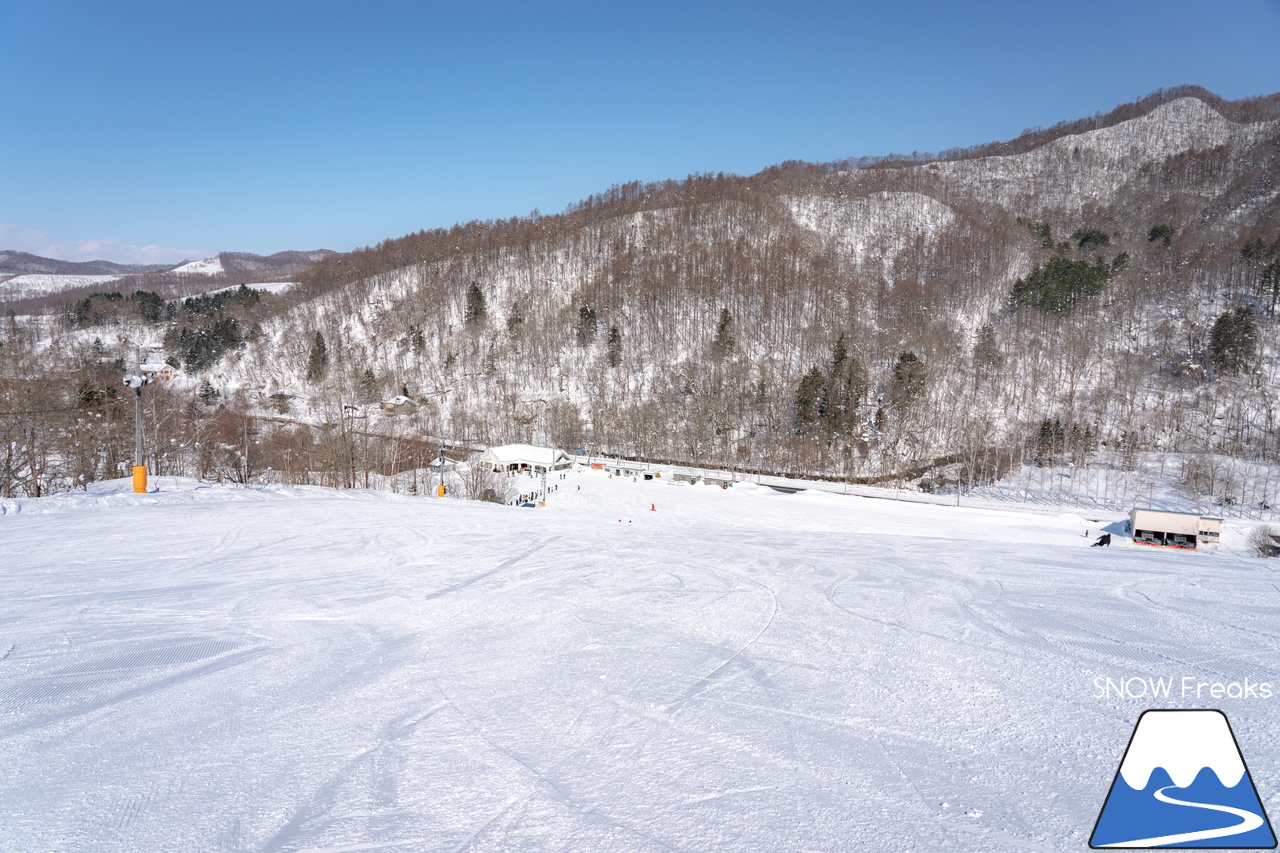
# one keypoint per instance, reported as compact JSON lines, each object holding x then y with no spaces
{"x":291,"y":669}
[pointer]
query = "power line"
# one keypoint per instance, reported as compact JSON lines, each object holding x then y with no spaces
{"x":43,"y":411}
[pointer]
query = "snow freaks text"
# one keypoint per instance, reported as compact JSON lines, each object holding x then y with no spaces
{"x":1185,"y":687}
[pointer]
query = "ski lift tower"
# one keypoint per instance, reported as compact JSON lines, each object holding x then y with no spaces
{"x":440,"y":491}
{"x":135,"y":381}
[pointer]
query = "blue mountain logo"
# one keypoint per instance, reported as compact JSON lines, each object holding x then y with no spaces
{"x":1183,"y":783}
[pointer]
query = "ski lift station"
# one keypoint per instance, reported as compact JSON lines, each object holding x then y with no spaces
{"x":525,"y":457}
{"x":1173,"y":529}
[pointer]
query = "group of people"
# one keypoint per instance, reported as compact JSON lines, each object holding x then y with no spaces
{"x":536,"y":495}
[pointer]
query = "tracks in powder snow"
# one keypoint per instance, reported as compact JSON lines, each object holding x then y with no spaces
{"x":712,"y":678}
{"x":590,"y":731}
{"x":505,"y":564}
{"x":324,"y":801}
{"x":80,"y":689}
{"x":542,"y":781}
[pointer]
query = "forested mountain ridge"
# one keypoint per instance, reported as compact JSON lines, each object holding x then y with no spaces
{"x":25,"y":263}
{"x":898,"y":258}
{"x":30,"y":284}
{"x":1104,"y":286}
{"x":288,"y":263}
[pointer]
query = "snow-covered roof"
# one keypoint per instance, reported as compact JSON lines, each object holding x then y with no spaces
{"x":1175,"y":513}
{"x":508,"y":454}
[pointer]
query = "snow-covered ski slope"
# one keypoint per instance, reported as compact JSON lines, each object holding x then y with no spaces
{"x":299,"y":669}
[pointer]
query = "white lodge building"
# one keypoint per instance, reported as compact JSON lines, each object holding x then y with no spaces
{"x":1173,"y":529}
{"x":525,"y":457}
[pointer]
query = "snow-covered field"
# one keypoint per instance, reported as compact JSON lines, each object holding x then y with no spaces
{"x":268,"y":286}
{"x":290,"y":669}
{"x":39,"y":284}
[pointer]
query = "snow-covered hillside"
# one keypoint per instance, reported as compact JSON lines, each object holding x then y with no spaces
{"x":1082,"y":169}
{"x":289,"y":669}
{"x":37,"y":284}
{"x":878,"y":227}
{"x":913,"y":260}
{"x":1071,"y":300}
{"x":205,"y":266}
{"x":264,"y":286}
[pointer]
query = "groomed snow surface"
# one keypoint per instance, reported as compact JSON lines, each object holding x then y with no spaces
{"x":299,"y":669}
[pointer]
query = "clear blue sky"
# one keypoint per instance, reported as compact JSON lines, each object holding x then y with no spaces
{"x":138,"y":129}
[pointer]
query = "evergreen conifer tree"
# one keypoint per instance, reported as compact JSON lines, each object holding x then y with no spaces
{"x":908,"y":378}
{"x":987,"y":357}
{"x":1087,"y":238}
{"x":1255,"y":250}
{"x":1060,"y":284}
{"x":1162,"y":234}
{"x":809,"y":399}
{"x":207,"y":394}
{"x":368,"y":386}
{"x":1270,"y":283}
{"x":475,"y":303}
{"x":586,"y":326}
{"x":318,"y":361}
{"x":724,"y":333}
{"x":1233,"y":340}
{"x":842,"y":389}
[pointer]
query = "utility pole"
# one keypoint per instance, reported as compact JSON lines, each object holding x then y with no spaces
{"x":440,"y":491}
{"x":135,"y":381}
{"x":137,"y":415}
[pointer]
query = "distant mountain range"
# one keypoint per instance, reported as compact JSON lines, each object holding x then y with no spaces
{"x":24,"y":263}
